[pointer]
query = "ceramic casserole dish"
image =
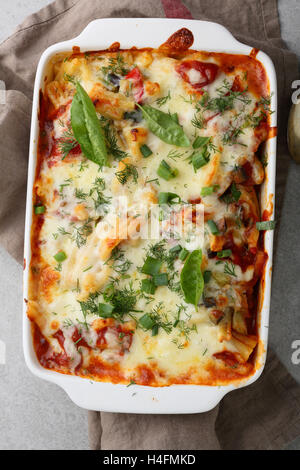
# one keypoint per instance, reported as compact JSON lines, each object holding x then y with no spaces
{"x":103,"y":396}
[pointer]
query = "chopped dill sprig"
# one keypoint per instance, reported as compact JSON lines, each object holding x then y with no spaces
{"x":174,"y":154}
{"x":80,"y":194}
{"x":115,"y":65}
{"x":229,"y":268}
{"x":198,"y":121}
{"x":163,"y":100}
{"x":123,"y":300}
{"x":62,"y":231}
{"x":231,"y":136}
{"x":67,"y":142}
{"x":70,"y":78}
{"x":97,"y":190}
{"x":184,"y":329}
{"x":266,"y":103}
{"x":81,"y":233}
{"x":112,"y":144}
{"x":118,"y":261}
{"x":156,"y":319}
{"x":225,"y":99}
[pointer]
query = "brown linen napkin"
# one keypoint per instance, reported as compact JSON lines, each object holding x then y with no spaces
{"x":265,"y":415}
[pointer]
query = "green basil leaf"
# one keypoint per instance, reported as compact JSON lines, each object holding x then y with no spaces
{"x":191,"y":279}
{"x":93,"y":125}
{"x":79,"y":128}
{"x":87,"y":128}
{"x":164,"y":126}
{"x":174,"y":116}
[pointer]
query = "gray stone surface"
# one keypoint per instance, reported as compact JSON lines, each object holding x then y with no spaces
{"x":37,"y":415}
{"x":13,"y":12}
{"x":289,"y":12}
{"x":34,"y":414}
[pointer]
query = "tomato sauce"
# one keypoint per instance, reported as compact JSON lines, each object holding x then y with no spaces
{"x":136,"y":78}
{"x":205,"y":72}
{"x":228,"y":357}
{"x":250,"y":66}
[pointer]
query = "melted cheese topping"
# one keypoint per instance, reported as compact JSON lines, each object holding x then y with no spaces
{"x":99,"y":219}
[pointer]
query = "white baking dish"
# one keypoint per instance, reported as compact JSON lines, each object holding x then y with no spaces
{"x":208,"y":36}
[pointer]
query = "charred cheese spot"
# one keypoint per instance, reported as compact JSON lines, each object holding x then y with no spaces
{"x":48,"y":279}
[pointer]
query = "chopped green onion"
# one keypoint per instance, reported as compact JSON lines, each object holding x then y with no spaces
{"x":224,"y":254}
{"x":168,"y":198}
{"x":206,"y":276}
{"x":266,"y":225}
{"x":60,"y":256}
{"x":39,"y":209}
{"x":208,"y":190}
{"x":148,"y":286}
{"x":200,"y":141}
{"x":175,"y":249}
{"x":155,"y":330}
{"x":183,"y":254}
{"x":105,"y":310}
{"x":151,"y":266}
{"x":160,"y":279}
{"x":145,"y":150}
{"x":165,"y":171}
{"x":212,"y":227}
{"x":146,"y":321}
{"x":199,"y":159}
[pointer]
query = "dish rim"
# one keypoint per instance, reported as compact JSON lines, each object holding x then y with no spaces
{"x":173,"y":399}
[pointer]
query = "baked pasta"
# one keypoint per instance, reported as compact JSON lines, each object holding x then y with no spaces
{"x":171,"y":135}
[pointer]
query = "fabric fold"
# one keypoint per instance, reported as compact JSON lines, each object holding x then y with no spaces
{"x":15,"y":117}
